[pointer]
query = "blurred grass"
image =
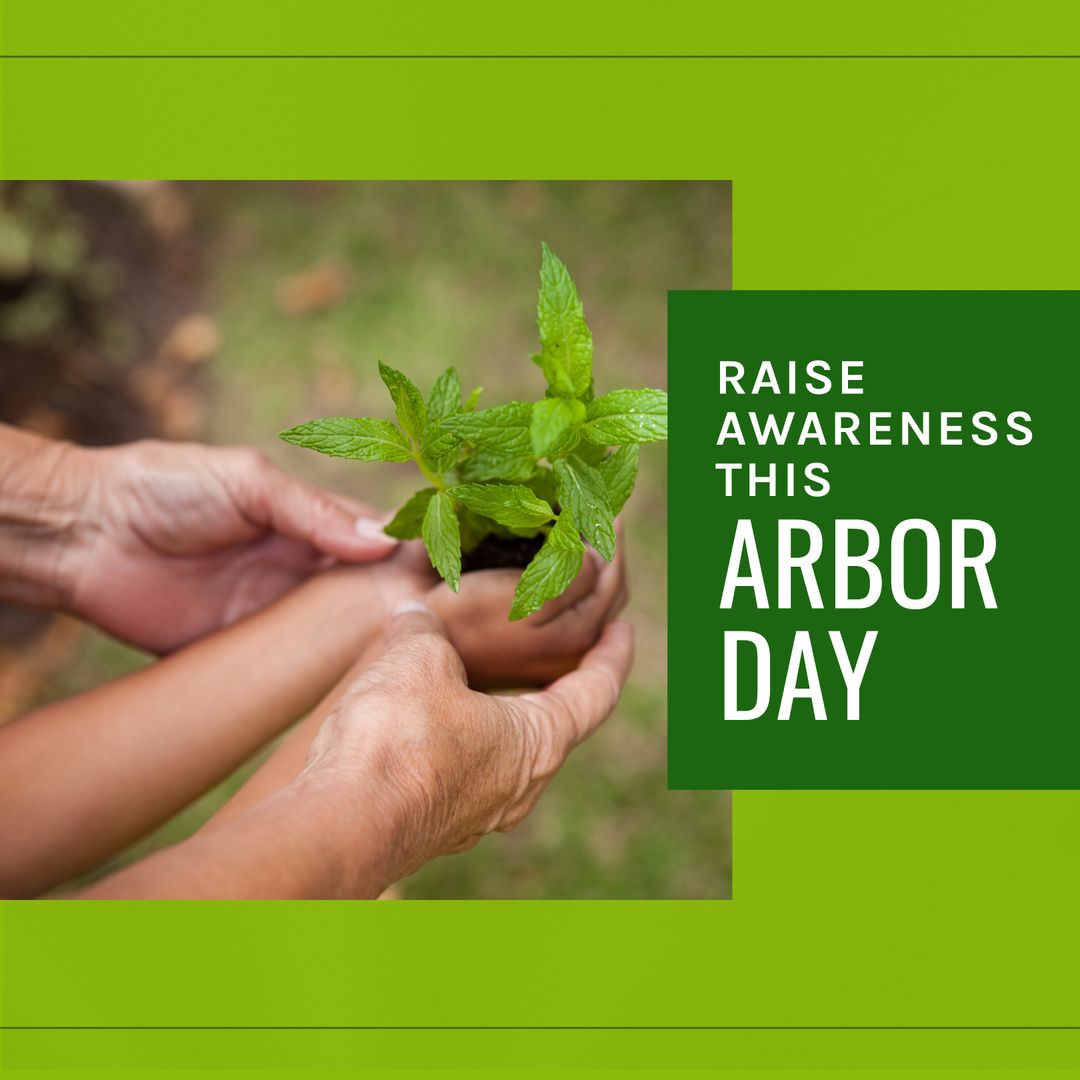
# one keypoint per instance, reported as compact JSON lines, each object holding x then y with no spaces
{"x":446,"y":274}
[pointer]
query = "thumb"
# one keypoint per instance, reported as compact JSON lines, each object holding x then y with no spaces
{"x":414,"y":633}
{"x":295,"y":508}
{"x":578,"y":703}
{"x":414,"y":619}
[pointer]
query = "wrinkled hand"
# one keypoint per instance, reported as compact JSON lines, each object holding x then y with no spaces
{"x":435,"y":765}
{"x":173,"y":541}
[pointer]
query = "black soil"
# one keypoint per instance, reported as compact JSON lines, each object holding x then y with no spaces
{"x":499,"y":553}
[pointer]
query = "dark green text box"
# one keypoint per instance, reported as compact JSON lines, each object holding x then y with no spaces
{"x":971,"y":697}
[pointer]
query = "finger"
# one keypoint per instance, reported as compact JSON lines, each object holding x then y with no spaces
{"x":517,"y":813}
{"x":598,"y":591}
{"x":413,"y":618}
{"x":269,"y":568}
{"x":584,"y":620}
{"x":355,"y":507}
{"x":613,"y":587}
{"x":465,"y":845}
{"x":411,"y":557}
{"x":500,"y":584}
{"x":274,"y":499}
{"x":581,"y":701}
{"x":414,"y":632}
{"x":616,"y":571}
{"x":622,"y":598}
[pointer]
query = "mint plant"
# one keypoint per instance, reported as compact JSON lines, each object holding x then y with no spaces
{"x":544,"y":475}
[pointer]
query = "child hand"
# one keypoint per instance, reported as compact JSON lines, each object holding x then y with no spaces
{"x":497,"y":652}
{"x":536,"y":650}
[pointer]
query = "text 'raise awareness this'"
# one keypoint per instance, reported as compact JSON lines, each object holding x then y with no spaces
{"x":856,"y":545}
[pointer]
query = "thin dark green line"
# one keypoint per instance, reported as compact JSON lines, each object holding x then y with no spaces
{"x":539,"y":56}
{"x":539,"y":1027}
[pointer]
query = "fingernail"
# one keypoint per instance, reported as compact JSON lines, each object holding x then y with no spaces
{"x":411,"y":607}
{"x":372,"y":529}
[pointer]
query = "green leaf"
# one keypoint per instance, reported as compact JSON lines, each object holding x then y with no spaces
{"x":503,"y":430}
{"x":472,"y":399}
{"x":408,"y":404}
{"x":558,"y":378}
{"x":445,"y":397}
{"x":591,"y":453}
{"x":565,"y":341}
{"x":627,"y":416}
{"x":438,"y":448}
{"x":484,"y":466}
{"x":570,"y":439}
{"x":542,"y":483}
{"x":552,"y":569}
{"x":552,"y":421}
{"x":583,"y":492}
{"x":409,"y":520}
{"x":442,"y":538}
{"x":619,"y":472}
{"x":504,"y":531}
{"x":360,"y":438}
{"x":473,"y":528}
{"x":512,"y":505}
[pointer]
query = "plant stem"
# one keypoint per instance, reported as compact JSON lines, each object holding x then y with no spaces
{"x":436,"y":480}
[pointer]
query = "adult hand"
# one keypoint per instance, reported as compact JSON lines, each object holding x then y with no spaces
{"x":171,"y":541}
{"x":408,"y":764}
{"x":412,"y":754}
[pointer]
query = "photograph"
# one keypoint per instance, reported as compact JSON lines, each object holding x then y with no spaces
{"x":333,"y":540}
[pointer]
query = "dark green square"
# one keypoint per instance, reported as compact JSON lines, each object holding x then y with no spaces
{"x":965,"y":698}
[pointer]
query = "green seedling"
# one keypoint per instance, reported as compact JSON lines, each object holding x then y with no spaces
{"x":542,"y":476}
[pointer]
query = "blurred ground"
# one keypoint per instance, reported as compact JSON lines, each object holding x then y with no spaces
{"x":302,"y":287}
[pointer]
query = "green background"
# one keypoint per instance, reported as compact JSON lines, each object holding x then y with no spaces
{"x":851,"y":908}
{"x":968,"y":698}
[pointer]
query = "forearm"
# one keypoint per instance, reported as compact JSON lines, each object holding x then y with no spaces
{"x":41,"y":492}
{"x":287,"y":761}
{"x":83,"y":778}
{"x":296,"y":845}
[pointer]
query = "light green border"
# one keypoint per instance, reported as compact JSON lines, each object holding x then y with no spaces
{"x":855,"y":908}
{"x":563,"y":27}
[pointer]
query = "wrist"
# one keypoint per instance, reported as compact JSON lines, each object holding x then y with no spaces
{"x":367,"y":595}
{"x":43,"y":490}
{"x":353,"y":843}
{"x":347,"y":600}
